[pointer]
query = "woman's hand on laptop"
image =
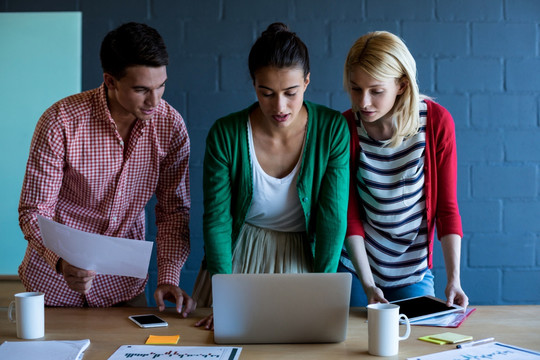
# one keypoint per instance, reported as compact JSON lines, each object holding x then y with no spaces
{"x":207,"y":322}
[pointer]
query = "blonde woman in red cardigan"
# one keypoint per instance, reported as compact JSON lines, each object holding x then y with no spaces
{"x":403,"y":177}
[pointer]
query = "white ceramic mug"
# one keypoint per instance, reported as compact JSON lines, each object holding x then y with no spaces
{"x":383,"y":329}
{"x":29,"y":314}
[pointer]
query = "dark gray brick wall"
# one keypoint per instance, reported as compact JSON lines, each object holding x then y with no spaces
{"x":478,"y":58}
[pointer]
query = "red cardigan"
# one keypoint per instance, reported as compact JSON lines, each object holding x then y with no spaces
{"x":440,"y":177}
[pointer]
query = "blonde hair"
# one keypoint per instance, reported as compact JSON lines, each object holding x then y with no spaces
{"x":383,"y":55}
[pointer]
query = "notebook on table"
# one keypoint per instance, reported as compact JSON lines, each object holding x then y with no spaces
{"x":281,"y":308}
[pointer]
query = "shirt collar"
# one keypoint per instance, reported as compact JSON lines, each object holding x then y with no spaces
{"x":103,"y":112}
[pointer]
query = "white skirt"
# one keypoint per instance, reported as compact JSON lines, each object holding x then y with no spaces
{"x":259,"y":251}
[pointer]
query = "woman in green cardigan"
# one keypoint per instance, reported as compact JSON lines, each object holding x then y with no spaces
{"x":276,"y":175}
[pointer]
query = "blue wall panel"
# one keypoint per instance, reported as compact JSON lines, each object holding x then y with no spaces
{"x":478,"y":58}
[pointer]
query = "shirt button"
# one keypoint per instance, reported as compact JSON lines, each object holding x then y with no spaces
{"x":305,"y":199}
{"x":113,"y":218}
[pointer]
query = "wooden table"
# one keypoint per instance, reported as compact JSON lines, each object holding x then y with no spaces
{"x":110,"y":328}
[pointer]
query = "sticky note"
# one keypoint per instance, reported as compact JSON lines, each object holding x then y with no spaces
{"x":429,"y":339}
{"x":162,"y":340}
{"x":451,"y":338}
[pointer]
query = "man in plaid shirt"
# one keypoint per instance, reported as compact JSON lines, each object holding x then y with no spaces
{"x":95,"y":160}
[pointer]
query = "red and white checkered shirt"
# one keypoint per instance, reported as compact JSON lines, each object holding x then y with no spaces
{"x":78,"y":174}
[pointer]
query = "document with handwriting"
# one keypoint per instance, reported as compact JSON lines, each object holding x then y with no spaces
{"x":176,"y":352}
{"x":491,"y":351}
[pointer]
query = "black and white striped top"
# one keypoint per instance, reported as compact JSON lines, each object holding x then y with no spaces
{"x":390,"y":183}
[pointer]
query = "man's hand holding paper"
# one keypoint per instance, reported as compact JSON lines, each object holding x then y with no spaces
{"x":77,"y":279}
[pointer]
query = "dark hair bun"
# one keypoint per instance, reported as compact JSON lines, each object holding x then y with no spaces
{"x":278,"y":47}
{"x":275,"y":28}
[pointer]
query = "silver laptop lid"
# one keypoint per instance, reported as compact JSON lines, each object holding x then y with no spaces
{"x":281,"y":308}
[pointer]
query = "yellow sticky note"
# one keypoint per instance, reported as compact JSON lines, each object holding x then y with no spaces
{"x":451,"y":338}
{"x":162,"y":340}
{"x":429,"y":339}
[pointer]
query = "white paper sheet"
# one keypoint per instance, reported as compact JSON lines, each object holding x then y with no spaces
{"x":103,"y":254}
{"x":43,"y":350}
{"x":491,"y":351}
{"x":176,"y":352}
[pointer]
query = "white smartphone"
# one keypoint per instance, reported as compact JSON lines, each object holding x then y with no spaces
{"x":148,"y":320}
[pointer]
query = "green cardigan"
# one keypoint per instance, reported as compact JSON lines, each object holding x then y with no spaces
{"x":323,"y":186}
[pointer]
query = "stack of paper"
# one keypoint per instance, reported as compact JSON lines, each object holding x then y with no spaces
{"x":44,"y":350}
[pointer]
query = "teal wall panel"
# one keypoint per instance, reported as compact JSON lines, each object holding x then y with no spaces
{"x":40,"y":63}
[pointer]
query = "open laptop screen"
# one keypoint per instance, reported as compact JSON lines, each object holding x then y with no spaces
{"x":281,"y":308}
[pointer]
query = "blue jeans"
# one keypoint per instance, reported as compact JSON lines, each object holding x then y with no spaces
{"x":424,"y":287}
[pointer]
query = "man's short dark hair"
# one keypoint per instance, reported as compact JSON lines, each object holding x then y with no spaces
{"x":132,"y":44}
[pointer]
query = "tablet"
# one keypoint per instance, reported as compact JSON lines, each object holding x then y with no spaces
{"x":423,"y":307}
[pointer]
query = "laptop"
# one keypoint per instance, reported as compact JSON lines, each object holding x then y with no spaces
{"x":281,"y":308}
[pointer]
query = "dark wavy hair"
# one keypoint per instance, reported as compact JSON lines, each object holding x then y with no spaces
{"x":278,"y":47}
{"x":132,"y":44}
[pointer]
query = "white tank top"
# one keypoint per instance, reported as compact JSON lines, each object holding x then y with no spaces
{"x":275,"y":204}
